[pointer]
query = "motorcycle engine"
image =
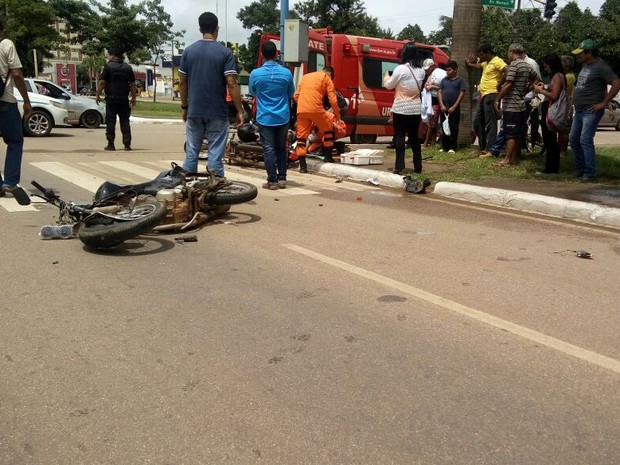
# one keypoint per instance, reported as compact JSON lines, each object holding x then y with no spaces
{"x":177,"y":204}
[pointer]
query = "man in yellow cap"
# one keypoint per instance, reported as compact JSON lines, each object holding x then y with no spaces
{"x":590,"y":99}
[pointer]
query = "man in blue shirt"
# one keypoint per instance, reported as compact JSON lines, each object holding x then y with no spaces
{"x":207,"y":70}
{"x":273,"y":87}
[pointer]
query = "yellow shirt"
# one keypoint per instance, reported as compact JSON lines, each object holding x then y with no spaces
{"x":570,"y":83}
{"x":491,"y":75}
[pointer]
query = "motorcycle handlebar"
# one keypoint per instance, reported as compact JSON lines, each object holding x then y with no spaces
{"x":48,"y":193}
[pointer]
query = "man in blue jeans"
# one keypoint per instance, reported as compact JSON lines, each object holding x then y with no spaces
{"x":11,"y":120}
{"x":273,"y":87}
{"x":590,"y":99}
{"x":207,"y":70}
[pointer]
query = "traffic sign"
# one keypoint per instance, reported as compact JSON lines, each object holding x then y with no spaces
{"x":500,"y":3}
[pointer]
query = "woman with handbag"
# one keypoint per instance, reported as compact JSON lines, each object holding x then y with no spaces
{"x":553,"y":67}
{"x":406,"y":110}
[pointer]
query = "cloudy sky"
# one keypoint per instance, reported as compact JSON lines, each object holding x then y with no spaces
{"x":185,"y":14}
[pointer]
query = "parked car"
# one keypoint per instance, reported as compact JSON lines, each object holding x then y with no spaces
{"x":47,"y":112}
{"x":83,"y":111}
{"x":611,"y":118}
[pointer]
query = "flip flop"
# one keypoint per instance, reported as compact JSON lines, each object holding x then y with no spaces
{"x":19,"y":194}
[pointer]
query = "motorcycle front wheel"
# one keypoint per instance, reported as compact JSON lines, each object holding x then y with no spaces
{"x":111,"y":230}
{"x":236,"y":192}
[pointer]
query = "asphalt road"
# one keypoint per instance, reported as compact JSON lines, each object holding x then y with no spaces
{"x":328,"y":323}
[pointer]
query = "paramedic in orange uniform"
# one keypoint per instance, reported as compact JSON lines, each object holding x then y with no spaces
{"x":310,"y":112}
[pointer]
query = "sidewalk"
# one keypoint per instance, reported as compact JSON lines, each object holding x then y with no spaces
{"x":590,"y":203}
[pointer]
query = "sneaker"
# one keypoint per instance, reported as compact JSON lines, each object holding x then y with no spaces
{"x":586,"y":178}
{"x":109,"y":147}
{"x":272,"y":186}
{"x":451,"y":151}
{"x":441,"y":150}
{"x":282,"y":184}
{"x":18,"y":193}
{"x":127,"y":148}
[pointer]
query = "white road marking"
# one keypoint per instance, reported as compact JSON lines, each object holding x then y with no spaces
{"x":74,"y":176}
{"x":527,"y":333}
{"x":133,"y":168}
{"x":11,"y":205}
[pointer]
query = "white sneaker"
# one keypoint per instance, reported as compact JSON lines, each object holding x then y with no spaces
{"x":451,"y":151}
{"x":441,"y":150}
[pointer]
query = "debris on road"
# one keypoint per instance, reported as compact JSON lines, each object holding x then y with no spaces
{"x":182,"y":239}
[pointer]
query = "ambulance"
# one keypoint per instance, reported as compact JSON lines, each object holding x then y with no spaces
{"x":359,"y":66}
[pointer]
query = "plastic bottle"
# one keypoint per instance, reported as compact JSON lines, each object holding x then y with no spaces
{"x":58,"y":231}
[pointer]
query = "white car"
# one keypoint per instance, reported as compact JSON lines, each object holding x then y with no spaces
{"x":46,"y":113}
{"x":611,"y":118}
{"x":82,"y":110}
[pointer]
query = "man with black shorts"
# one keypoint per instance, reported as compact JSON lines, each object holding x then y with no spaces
{"x":519,"y":80}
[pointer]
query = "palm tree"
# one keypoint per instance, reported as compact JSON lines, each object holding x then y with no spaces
{"x":467,"y":15}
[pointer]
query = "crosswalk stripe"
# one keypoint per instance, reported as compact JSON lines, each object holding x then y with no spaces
{"x":77,"y":177}
{"x":11,"y":205}
{"x":138,"y":170}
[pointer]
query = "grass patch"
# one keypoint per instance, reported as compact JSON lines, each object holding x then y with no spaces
{"x":465,"y":165}
{"x":145,"y":109}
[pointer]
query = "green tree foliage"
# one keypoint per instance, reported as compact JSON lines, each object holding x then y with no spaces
{"x":248,"y":55}
{"x":443,"y":35}
{"x":139,"y":29}
{"x":28,"y":23}
{"x":608,"y":33}
{"x":264,"y":16}
{"x":413,"y":33}
{"x":81,"y":20}
{"x":539,"y":37}
{"x":344,"y":16}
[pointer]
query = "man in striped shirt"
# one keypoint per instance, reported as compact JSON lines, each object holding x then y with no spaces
{"x":519,"y":80}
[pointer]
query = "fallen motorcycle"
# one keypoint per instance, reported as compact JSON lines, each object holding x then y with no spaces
{"x":175,"y":200}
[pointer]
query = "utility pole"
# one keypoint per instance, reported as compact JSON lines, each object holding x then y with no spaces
{"x":283,"y":18}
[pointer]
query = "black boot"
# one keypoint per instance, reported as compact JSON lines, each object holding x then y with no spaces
{"x":327,"y":155}
{"x":303,"y":167}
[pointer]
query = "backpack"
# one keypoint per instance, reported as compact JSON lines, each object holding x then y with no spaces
{"x":559,"y":113}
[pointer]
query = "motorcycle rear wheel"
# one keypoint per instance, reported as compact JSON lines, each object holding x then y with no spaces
{"x":126,"y":224}
{"x":236,"y":192}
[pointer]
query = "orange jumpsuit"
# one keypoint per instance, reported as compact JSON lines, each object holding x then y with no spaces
{"x":310,"y":111}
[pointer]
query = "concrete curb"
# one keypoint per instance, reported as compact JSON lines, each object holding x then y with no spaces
{"x":139,"y":120}
{"x":356,"y":173}
{"x":562,"y":208}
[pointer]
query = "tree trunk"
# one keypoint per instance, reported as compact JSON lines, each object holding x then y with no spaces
{"x":465,"y":36}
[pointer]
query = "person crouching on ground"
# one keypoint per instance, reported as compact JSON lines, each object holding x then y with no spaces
{"x":309,"y":96}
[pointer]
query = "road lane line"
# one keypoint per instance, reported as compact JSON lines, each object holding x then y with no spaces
{"x":522,"y":331}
